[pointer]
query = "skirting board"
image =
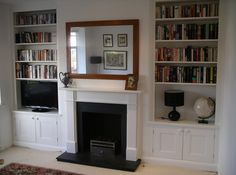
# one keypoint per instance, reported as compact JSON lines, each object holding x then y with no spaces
{"x":181,"y":163}
{"x":39,"y":146}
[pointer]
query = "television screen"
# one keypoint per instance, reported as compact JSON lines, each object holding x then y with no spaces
{"x":39,"y":95}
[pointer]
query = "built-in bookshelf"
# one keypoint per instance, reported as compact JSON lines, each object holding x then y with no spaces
{"x":35,"y":45}
{"x":186,"y":40}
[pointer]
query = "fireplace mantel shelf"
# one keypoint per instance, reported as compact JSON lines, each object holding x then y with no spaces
{"x":101,"y":90}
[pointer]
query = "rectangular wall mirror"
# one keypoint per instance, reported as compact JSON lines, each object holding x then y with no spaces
{"x":102,"y":49}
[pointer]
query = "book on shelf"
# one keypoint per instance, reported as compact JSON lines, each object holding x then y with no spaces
{"x":38,"y":18}
{"x":34,"y":37}
{"x":186,"y":31}
{"x":36,"y":55}
{"x":186,"y":10}
{"x":186,"y":74}
{"x":189,"y":53}
{"x":36,"y":71}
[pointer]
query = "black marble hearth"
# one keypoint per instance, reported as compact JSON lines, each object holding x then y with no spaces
{"x":118,"y":162}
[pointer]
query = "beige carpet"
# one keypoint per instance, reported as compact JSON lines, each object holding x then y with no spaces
{"x":48,"y":159}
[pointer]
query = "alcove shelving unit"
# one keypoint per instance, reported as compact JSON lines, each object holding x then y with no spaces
{"x":185,"y":58}
{"x":35,"y":60}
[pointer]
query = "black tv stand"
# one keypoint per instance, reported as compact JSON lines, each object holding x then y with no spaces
{"x":40,"y":110}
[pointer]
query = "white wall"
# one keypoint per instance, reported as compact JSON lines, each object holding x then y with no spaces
{"x":227,"y":88}
{"x":6,"y":85}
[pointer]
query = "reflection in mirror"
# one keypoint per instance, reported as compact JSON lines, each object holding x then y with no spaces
{"x":102,"y":49}
{"x":90,"y":55}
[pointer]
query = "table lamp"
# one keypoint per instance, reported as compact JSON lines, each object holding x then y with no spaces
{"x":174,"y":98}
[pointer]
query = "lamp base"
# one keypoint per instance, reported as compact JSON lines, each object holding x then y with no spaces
{"x":174,"y":115}
{"x":202,"y":121}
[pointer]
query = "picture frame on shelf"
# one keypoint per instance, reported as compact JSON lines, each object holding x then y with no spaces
{"x":122,"y":40}
{"x":131,"y":82}
{"x":107,"y":40}
{"x":115,"y":60}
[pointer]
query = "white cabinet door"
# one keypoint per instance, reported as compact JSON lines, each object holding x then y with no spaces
{"x":24,"y":127}
{"x":168,"y":142}
{"x":198,"y":145}
{"x":46,"y":130}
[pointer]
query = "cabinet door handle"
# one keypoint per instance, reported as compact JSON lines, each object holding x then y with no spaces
{"x":33,"y":118}
{"x":37,"y":118}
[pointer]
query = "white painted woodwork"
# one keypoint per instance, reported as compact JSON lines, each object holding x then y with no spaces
{"x":167,"y":142}
{"x":24,"y":128}
{"x":130,"y":98}
{"x":184,"y":143}
{"x":46,"y":130}
{"x":34,"y":128}
{"x":198,"y":145}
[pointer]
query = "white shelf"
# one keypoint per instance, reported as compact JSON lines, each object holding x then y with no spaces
{"x":31,"y":44}
{"x":36,"y":62}
{"x":188,"y":41}
{"x":35,"y":25}
{"x":191,"y":84}
{"x":181,"y":122}
{"x":185,"y":62}
{"x":36,"y":79}
{"x":29,"y":110}
{"x":190,"y":19}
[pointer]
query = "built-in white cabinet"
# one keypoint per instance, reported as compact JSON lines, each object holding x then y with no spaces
{"x":35,"y":129}
{"x":167,"y":142}
{"x":24,"y":128}
{"x":184,"y":143}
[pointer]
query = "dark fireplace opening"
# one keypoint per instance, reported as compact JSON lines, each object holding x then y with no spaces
{"x":102,"y":130}
{"x":101,"y":135}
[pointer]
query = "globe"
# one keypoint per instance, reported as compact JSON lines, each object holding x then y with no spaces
{"x":204,"y":108}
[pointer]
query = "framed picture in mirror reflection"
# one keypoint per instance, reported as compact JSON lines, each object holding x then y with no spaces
{"x":115,"y":60}
{"x":122,"y":40}
{"x":107,"y":40}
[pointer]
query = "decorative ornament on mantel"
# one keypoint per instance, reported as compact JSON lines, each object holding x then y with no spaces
{"x":65,"y":79}
{"x":131,"y":82}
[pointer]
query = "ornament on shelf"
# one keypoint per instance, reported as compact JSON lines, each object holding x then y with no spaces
{"x":204,"y":108}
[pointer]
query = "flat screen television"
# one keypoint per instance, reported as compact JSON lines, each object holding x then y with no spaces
{"x":38,"y":95}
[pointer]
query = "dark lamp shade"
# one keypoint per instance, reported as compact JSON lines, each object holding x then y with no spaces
{"x":95,"y":59}
{"x":174,"y":98}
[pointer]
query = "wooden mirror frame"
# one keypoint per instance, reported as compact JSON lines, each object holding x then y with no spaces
{"x":133,"y":22}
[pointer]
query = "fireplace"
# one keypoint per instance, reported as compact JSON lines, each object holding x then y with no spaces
{"x":102,"y":128}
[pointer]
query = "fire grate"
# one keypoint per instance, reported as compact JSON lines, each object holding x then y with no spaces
{"x":102,"y":148}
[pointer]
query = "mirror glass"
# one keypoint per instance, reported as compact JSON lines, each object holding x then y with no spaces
{"x":102,"y":49}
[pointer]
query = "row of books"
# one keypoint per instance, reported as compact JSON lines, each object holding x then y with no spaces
{"x":35,"y":37}
{"x":189,"y":74}
{"x":208,"y":54}
{"x":191,"y":10}
{"x":186,"y":31}
{"x":37,"y":55}
{"x":36,"y":71}
{"x":33,"y":19}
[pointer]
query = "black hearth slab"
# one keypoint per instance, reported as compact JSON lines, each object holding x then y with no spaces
{"x":118,"y":163}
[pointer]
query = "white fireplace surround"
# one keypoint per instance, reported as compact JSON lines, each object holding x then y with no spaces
{"x":130,"y":98}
